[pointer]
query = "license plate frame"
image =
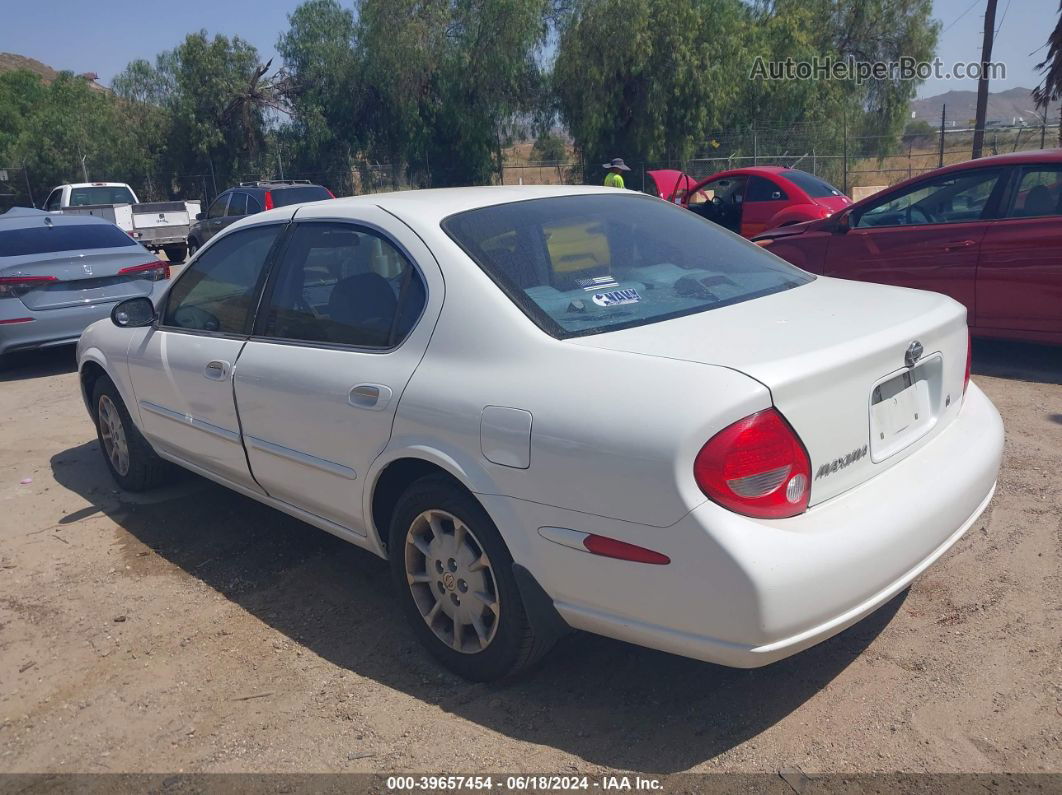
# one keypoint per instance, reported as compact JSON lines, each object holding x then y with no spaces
{"x":903,"y":407}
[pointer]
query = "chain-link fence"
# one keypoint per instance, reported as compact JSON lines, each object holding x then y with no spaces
{"x":15,"y":189}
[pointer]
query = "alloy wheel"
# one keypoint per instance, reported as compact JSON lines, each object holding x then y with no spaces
{"x":112,"y":432}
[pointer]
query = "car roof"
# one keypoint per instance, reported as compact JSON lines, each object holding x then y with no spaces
{"x":28,"y":217}
{"x":92,"y":185}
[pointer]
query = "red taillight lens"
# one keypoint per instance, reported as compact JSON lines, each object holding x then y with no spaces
{"x":15,"y":286}
{"x":611,"y":548}
{"x":330,"y":194}
{"x":269,"y":200}
{"x":969,"y":361}
{"x":153,"y":271}
{"x":756,"y":467}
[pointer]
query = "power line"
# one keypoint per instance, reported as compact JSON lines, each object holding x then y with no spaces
{"x":1002,"y":18}
{"x":964,"y":13}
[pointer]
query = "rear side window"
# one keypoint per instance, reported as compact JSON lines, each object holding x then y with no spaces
{"x":217,"y":291}
{"x":100,"y":194}
{"x":345,"y":285}
{"x":310,"y":193}
{"x":811,"y":185}
{"x":237,"y":204}
{"x":1039,"y":193}
{"x":61,"y":237}
{"x":580,"y":265}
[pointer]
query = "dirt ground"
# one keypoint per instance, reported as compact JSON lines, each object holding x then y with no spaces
{"x":195,"y":630}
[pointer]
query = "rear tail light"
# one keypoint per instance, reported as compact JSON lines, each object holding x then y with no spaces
{"x":15,"y":286}
{"x":152,"y":271}
{"x":969,"y":361}
{"x":11,"y":320}
{"x":268,"y":199}
{"x":756,"y":467}
{"x":330,"y":194}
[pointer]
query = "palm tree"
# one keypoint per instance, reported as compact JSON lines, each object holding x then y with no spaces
{"x":1050,"y":88}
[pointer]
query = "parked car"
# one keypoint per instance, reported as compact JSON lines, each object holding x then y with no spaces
{"x":750,"y":200}
{"x":986,"y":232}
{"x":59,"y":273}
{"x":249,"y":198}
{"x":158,"y":226}
{"x":561,"y":407}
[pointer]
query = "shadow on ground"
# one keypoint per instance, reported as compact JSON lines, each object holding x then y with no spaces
{"x":1023,"y":361}
{"x":24,"y":365}
{"x":606,"y":702}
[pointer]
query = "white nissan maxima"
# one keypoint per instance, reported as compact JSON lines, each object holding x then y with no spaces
{"x":556,"y":408}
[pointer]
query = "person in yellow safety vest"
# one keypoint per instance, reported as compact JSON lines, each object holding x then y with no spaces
{"x":614,"y":177}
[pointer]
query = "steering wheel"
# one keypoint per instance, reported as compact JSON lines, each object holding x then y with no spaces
{"x":926,"y":217}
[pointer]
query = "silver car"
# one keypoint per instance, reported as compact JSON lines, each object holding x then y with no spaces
{"x":59,"y":274}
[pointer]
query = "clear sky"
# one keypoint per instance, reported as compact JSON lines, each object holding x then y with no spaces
{"x":103,"y":36}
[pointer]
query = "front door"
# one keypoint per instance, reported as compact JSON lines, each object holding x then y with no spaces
{"x":215,"y":217}
{"x":1019,"y":276}
{"x":763,"y":200}
{"x":345,"y":320}
{"x":182,"y":370}
{"x":926,"y":236}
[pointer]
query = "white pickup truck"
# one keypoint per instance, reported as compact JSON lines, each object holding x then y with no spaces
{"x":159,"y":226}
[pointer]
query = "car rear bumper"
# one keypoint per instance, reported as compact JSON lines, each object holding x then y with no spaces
{"x":746,"y":592}
{"x":47,"y":327}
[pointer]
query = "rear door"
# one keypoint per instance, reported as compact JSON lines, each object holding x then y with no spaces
{"x":182,"y":370}
{"x":925,"y":236}
{"x":763,"y":199}
{"x":1019,"y":276}
{"x":345,"y":321}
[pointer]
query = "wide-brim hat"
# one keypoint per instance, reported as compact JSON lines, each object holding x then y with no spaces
{"x":617,"y":162}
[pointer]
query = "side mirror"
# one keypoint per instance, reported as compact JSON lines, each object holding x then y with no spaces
{"x":133,"y":313}
{"x":843,"y":222}
{"x":199,"y":216}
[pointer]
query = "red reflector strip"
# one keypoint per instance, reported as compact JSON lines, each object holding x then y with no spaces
{"x":26,"y":279}
{"x":611,"y":548}
{"x":16,"y":320}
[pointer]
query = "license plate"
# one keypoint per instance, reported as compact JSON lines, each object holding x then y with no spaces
{"x":901,"y":409}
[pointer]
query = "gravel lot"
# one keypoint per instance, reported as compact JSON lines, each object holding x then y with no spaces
{"x":192,"y":629}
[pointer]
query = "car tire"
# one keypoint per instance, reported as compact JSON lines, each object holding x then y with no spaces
{"x":193,"y":246}
{"x":176,"y":254}
{"x":129,"y":457}
{"x":440,"y":588}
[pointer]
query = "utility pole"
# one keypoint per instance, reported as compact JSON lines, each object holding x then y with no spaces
{"x":943,"y":117}
{"x":982,"y":79}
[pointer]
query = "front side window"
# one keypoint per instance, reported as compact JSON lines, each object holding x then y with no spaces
{"x":217,"y":209}
{"x":54,"y":200}
{"x":217,"y":291}
{"x":237,"y":204}
{"x":345,"y":285}
{"x":948,"y":199}
{"x":763,"y":190}
{"x":1039,"y":193}
{"x":579,"y":265}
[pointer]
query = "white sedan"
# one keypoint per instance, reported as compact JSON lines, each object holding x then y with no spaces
{"x":556,"y":408}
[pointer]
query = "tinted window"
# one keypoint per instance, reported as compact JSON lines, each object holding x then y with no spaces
{"x":343,"y":284}
{"x":217,"y":209}
{"x":217,"y":291}
{"x":309,"y":193}
{"x":61,"y":237}
{"x":1039,"y":193}
{"x":237,"y":204}
{"x":763,"y":190}
{"x":811,"y":185}
{"x":947,"y":199}
{"x":586,"y":264}
{"x":80,"y":197}
{"x":253,"y":205}
{"x":54,"y":200}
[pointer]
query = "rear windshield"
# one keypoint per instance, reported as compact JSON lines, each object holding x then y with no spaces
{"x":72,"y":237}
{"x":810,"y":184}
{"x":580,"y":265}
{"x":80,"y":197}
{"x":310,"y":193}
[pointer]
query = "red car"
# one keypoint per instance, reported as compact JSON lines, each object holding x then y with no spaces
{"x":987,"y":232}
{"x":750,"y":200}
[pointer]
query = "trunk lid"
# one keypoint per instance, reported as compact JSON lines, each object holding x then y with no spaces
{"x":81,"y":278}
{"x":832,"y":354}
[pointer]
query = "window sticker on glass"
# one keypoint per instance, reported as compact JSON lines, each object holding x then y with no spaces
{"x":616,"y":298}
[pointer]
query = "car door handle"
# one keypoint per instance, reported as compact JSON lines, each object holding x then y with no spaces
{"x":216,"y":370}
{"x":959,"y":245}
{"x":370,"y":396}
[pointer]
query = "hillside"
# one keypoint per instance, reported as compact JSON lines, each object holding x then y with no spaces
{"x":10,"y":61}
{"x":1003,"y":106}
